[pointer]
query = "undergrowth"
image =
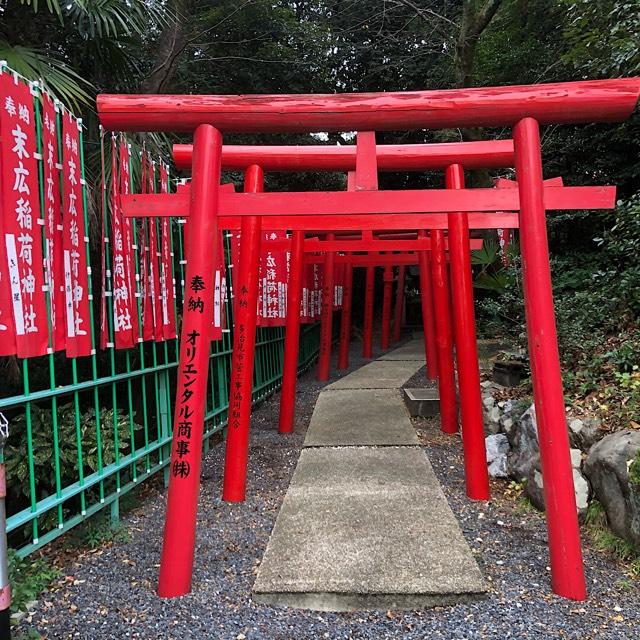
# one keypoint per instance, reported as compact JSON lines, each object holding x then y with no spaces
{"x":605,"y":540}
{"x":29,"y":577}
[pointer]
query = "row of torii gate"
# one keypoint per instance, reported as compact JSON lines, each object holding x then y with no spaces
{"x":365,"y":219}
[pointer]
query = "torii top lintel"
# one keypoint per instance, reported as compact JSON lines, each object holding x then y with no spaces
{"x":554,"y":103}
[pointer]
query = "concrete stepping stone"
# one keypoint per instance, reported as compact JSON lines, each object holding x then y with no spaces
{"x":366,"y":528}
{"x":413,"y":350}
{"x":351,"y":417}
{"x":379,"y":374}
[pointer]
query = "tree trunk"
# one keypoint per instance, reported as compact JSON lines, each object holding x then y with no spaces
{"x":171,"y":44}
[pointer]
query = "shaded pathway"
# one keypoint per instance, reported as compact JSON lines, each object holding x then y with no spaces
{"x":108,"y":593}
{"x":364,"y":524}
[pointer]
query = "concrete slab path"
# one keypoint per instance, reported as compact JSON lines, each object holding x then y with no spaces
{"x":413,"y":350}
{"x":364,"y":523}
{"x":379,"y":374}
{"x":348,"y":417}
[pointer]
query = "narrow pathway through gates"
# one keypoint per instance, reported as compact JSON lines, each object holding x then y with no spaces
{"x":364,"y":523}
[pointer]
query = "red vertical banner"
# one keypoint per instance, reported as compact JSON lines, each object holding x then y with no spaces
{"x":54,"y":261}
{"x":21,"y":219}
{"x":146,"y":296}
{"x":78,"y":324}
{"x":167,"y":281}
{"x":104,"y":323}
{"x":154,"y":255}
{"x":129,"y":236}
{"x":272,"y":286}
{"x":122,"y":294}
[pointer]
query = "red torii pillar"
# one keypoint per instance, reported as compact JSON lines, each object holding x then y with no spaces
{"x":326,"y":318}
{"x":292,"y":335}
{"x":399,"y":307}
{"x":444,"y":338}
{"x":386,"y":307}
{"x":367,"y":329}
{"x":567,"y":573}
{"x":345,"y":318}
{"x":244,"y":341}
{"x":428,"y":320}
{"x":475,"y":461}
{"x":176,"y":563}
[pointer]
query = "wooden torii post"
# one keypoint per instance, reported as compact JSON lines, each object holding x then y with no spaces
{"x":524,"y":108}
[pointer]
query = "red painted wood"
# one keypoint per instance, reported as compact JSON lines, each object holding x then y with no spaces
{"x":345,"y":316}
{"x":399,"y":306}
{"x":428,"y":321}
{"x":567,"y":572}
{"x":555,"y":103}
{"x":444,"y":334}
{"x":326,"y":318}
{"x":409,"y":202}
{"x":176,"y":562}
{"x":367,"y":330}
{"x":245,"y":286}
{"x":366,"y":178}
{"x":292,"y":335}
{"x":314,"y":245}
{"x":385,"y":332}
{"x":491,"y":154}
{"x":475,"y":460}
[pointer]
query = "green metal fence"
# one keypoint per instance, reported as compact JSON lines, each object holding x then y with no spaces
{"x":86,"y":431}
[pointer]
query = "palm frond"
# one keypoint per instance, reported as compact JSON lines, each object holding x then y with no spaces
{"x":488,"y":255}
{"x":36,"y":64}
{"x":52,"y":5}
{"x":114,"y":18}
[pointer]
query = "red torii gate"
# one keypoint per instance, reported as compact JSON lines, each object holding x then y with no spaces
{"x":523,"y":107}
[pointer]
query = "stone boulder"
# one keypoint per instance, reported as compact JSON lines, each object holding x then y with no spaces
{"x":497,"y":447}
{"x":534,"y":487}
{"x":523,"y":440}
{"x":584,"y":433}
{"x":607,"y":468}
{"x":491,"y":413}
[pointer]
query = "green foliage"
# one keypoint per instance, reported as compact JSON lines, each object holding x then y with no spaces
{"x":603,"y":36}
{"x":98,"y":531}
{"x":17,"y":457}
{"x":605,"y":540}
{"x":634,"y":472}
{"x":29,"y":577}
{"x":59,"y":77}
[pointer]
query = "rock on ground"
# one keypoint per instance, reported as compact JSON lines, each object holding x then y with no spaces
{"x":523,"y":439}
{"x":607,"y":468}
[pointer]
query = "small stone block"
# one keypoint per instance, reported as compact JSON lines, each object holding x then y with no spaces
{"x":424,"y":403}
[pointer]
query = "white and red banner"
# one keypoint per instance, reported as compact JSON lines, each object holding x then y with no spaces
{"x":167,"y":280}
{"x":54,"y":260}
{"x":272,"y":282}
{"x":21,"y":221}
{"x":122,"y":295}
{"x":74,"y":243}
{"x":311,"y":293}
{"x":339,"y":275}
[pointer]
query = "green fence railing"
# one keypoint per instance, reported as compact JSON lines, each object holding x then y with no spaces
{"x":85,"y":431}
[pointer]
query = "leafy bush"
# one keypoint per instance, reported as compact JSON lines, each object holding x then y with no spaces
{"x":28,"y":577}
{"x":16,"y":451}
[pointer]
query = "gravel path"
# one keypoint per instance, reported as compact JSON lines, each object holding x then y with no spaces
{"x":109,"y":592}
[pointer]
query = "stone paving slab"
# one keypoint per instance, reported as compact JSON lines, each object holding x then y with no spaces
{"x":413,"y":350}
{"x":379,"y":374}
{"x":350,"y":417}
{"x":366,"y":528}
